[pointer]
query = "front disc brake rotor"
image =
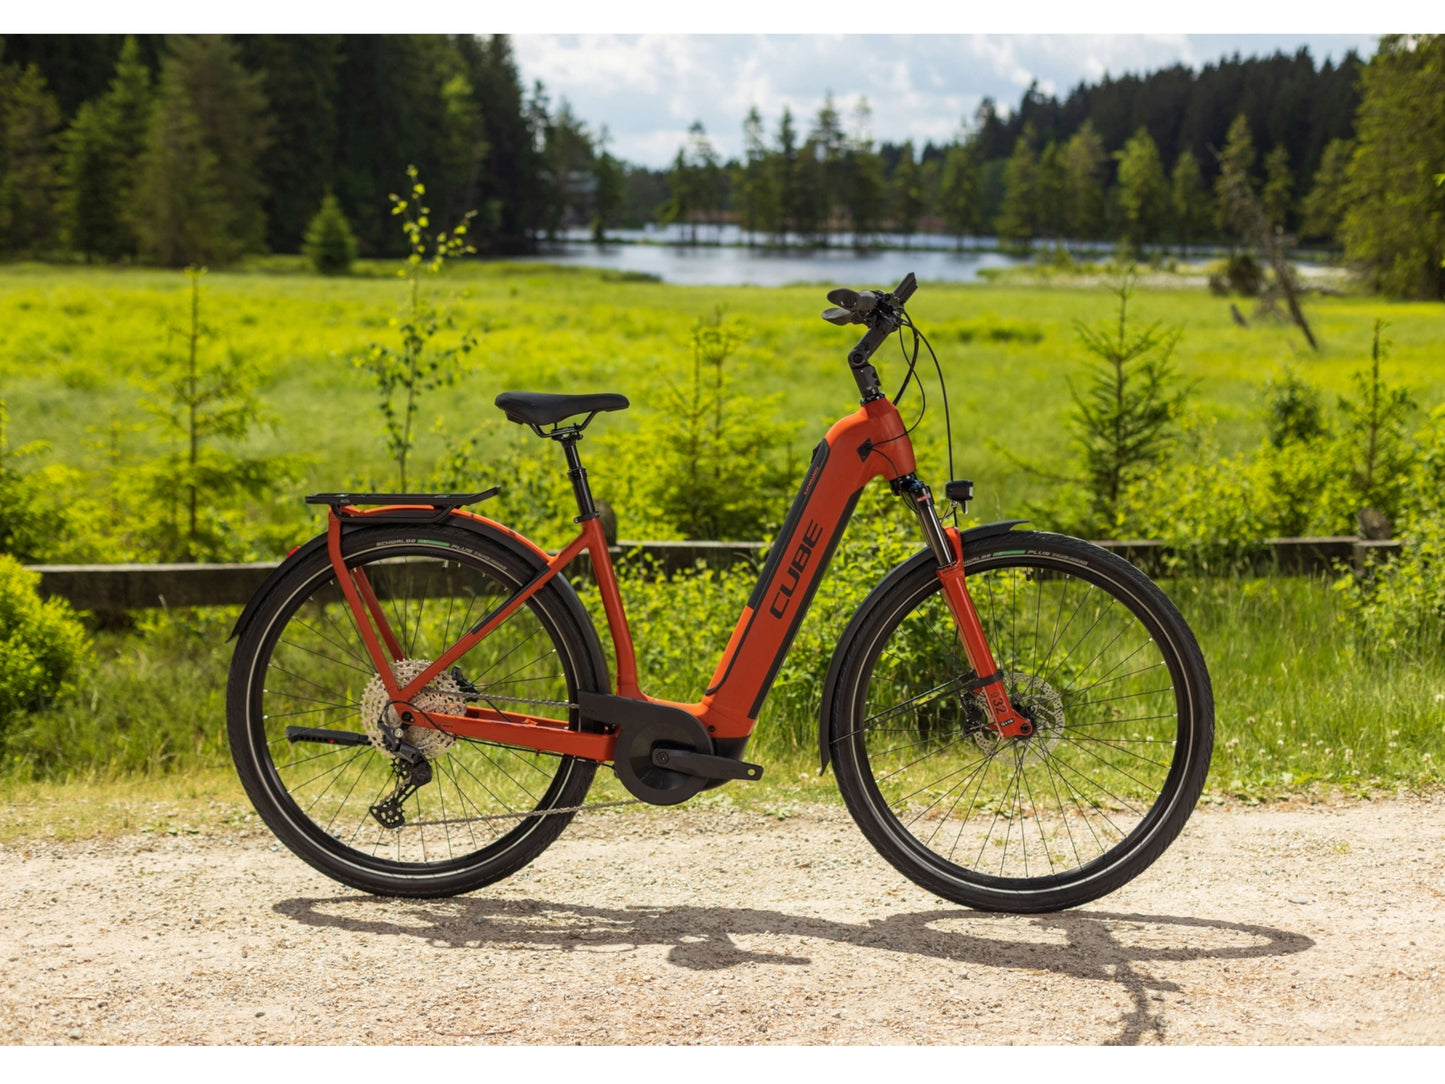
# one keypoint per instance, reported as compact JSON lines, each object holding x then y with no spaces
{"x":1035,"y":699}
{"x":443,"y":695}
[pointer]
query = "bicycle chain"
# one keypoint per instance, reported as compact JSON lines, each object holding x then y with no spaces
{"x":484,"y":696}
{"x":522,"y":816}
{"x":534,"y":813}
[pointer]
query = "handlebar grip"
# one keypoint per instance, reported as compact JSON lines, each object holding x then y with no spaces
{"x":905,"y":289}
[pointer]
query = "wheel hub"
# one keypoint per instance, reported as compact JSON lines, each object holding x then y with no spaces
{"x":443,"y":695}
{"x":1033,"y":698}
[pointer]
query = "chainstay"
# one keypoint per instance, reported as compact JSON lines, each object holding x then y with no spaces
{"x":520,"y":816}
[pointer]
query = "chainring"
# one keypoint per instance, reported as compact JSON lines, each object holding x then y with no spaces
{"x":632,"y":758}
{"x":443,"y":695}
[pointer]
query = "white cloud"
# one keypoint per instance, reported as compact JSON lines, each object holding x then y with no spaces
{"x":647,"y":88}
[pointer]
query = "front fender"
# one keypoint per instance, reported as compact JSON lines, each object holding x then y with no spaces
{"x":830,"y":683}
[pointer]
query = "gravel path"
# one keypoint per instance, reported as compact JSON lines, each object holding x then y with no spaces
{"x":1312,"y":924}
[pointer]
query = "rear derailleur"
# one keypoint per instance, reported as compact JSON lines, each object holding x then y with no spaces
{"x":412,"y":771}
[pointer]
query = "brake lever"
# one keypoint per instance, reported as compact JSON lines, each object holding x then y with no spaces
{"x":841,"y":317}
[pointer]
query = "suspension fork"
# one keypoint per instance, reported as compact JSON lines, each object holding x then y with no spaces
{"x":947,"y":547}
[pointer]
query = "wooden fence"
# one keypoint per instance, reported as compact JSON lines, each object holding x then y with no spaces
{"x":138,"y":587}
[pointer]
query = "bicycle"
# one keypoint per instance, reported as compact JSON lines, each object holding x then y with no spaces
{"x":1018,"y":721}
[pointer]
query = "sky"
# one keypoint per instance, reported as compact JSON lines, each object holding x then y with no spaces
{"x":648,"y":88}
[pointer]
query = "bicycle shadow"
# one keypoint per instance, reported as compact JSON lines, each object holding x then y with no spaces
{"x":701,"y":938}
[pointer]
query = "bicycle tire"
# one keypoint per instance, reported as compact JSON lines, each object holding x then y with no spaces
{"x":300,"y":661}
{"x":1099,"y":791}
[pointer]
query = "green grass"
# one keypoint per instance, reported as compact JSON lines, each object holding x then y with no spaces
{"x":1295,"y":688}
{"x":1301,"y":709}
{"x":74,"y":340}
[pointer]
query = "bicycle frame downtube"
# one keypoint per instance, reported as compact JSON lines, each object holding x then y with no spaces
{"x":866,"y":444}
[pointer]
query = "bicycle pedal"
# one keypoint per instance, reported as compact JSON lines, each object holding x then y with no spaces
{"x":705,"y":766}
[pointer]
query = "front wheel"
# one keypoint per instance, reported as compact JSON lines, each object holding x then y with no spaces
{"x":1101,"y":662}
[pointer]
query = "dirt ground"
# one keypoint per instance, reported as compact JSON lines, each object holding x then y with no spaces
{"x":1307,"y":924}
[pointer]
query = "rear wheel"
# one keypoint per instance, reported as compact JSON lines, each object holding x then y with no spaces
{"x":1100,"y":661}
{"x":483,"y":812}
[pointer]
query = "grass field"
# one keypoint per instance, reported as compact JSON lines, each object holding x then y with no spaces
{"x":1300,"y":707}
{"x":74,"y":342}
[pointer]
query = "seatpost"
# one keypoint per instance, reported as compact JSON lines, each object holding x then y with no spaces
{"x":577,"y":474}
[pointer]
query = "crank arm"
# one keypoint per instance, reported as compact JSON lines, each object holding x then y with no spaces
{"x":326,"y":737}
{"x":705,"y":766}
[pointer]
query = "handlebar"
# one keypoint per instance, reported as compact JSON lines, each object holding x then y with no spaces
{"x":881,"y":312}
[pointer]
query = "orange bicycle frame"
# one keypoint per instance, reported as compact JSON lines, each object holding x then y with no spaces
{"x":869,"y":443}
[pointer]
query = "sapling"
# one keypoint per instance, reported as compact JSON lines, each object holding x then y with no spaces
{"x":402,"y":374}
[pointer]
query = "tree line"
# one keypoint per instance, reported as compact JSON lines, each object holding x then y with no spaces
{"x":197,"y":149}
{"x":1339,"y":155}
{"x":184,"y":150}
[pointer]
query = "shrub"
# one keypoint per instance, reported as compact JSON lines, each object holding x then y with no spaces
{"x":42,"y":645}
{"x":330,"y":245}
{"x":1241,"y":274}
{"x":1294,"y":412}
{"x":709,"y":463}
{"x":1402,"y":604}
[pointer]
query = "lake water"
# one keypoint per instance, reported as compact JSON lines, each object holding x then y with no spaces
{"x":722,"y":261}
{"x":722,"y":258}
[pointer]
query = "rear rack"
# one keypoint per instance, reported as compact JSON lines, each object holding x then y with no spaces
{"x":443,"y":503}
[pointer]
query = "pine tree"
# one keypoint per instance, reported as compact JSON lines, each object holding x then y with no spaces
{"x":178,"y":212}
{"x":784,"y":165}
{"x":90,"y":211}
{"x":958,"y":190}
{"x":1237,"y":159}
{"x":808,"y":211}
{"x":464,"y":147}
{"x":707,"y":173}
{"x":300,"y":80}
{"x":1018,"y":217}
{"x":29,"y":175}
{"x":682,"y":197}
{"x":100,"y":152}
{"x":199,"y":200}
{"x":1395,"y":225}
{"x":865,"y":189}
{"x":1277,"y":194}
{"x":759,"y":200}
{"x":1324,"y":208}
{"x":1143,"y":191}
{"x":233,"y":114}
{"x":830,"y":146}
{"x":907,"y":193}
{"x":1086,"y":167}
{"x":609,"y":180}
{"x":329,"y":243}
{"x":1052,"y":183}
{"x":1190,"y":199}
